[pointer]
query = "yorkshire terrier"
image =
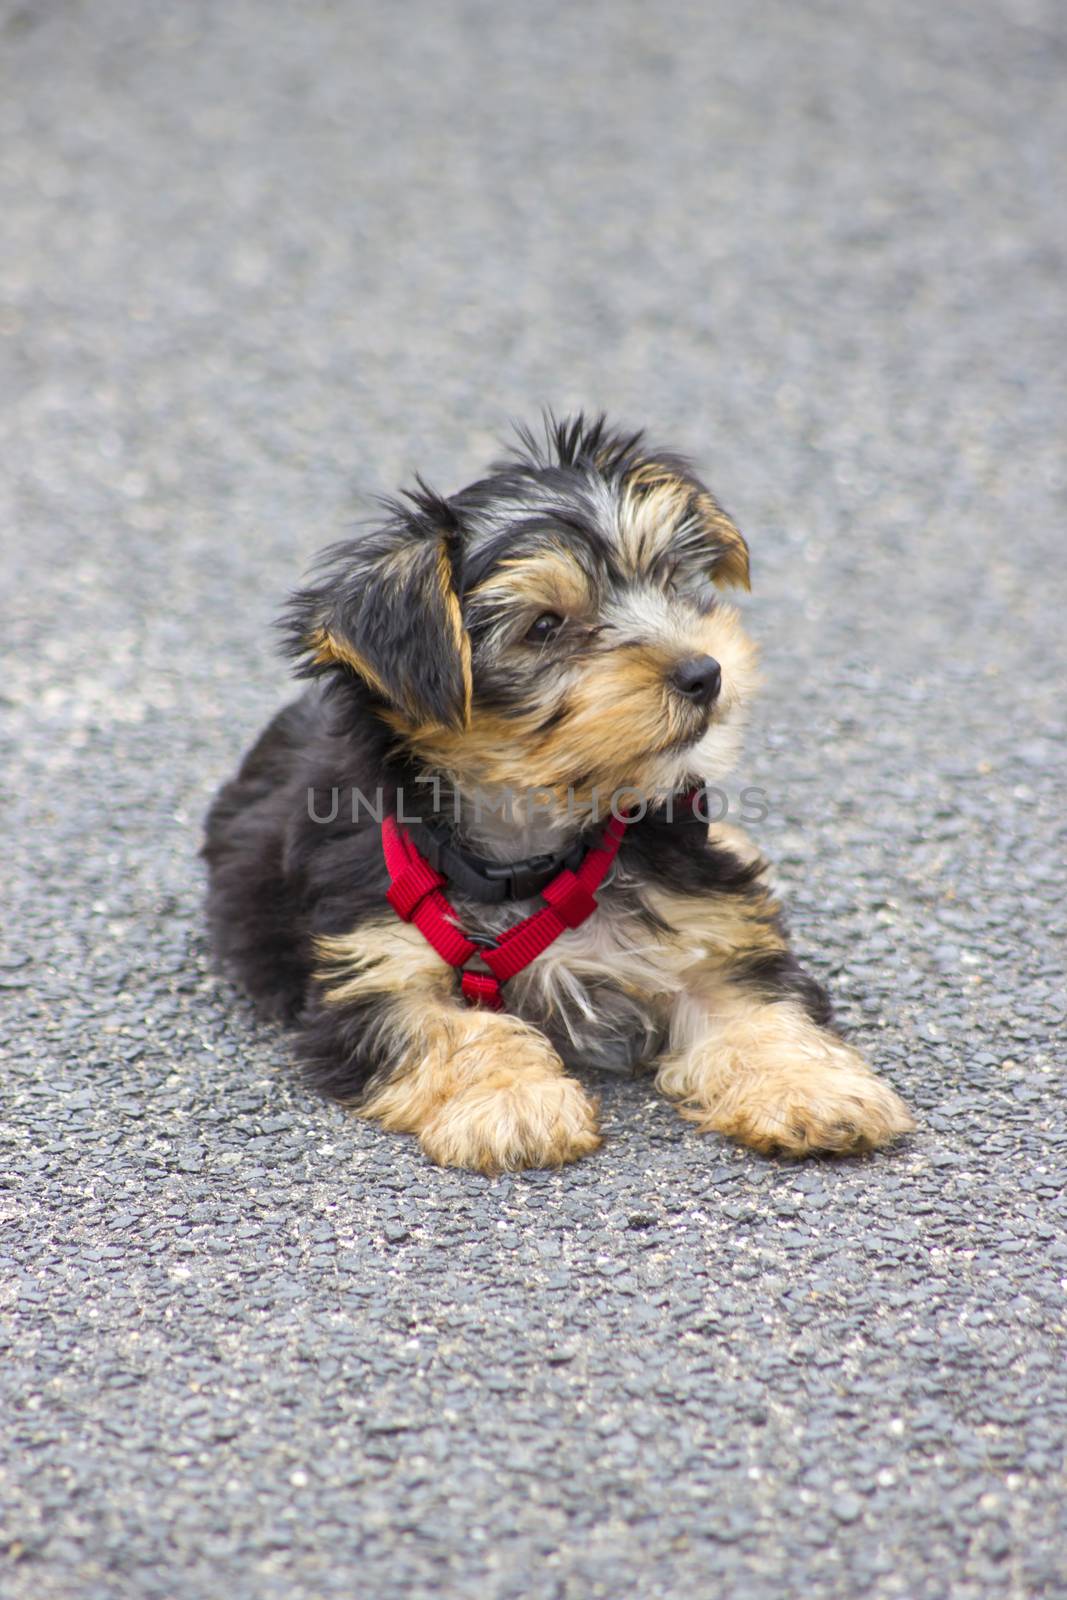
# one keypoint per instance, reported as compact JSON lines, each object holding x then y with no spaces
{"x":472,"y":857}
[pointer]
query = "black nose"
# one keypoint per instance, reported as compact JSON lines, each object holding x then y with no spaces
{"x":699,"y":679}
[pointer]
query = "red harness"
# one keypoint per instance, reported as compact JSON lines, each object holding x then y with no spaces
{"x":415,"y":895}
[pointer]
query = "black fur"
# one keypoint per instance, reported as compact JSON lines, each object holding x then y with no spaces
{"x":381,"y":595}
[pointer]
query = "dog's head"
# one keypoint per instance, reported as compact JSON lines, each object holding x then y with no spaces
{"x":557,"y":625}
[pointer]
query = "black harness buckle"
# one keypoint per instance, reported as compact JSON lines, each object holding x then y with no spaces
{"x":492,"y":881}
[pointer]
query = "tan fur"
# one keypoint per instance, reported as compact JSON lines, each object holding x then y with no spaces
{"x":733,"y":566}
{"x":618,"y":710}
{"x":383,"y":955}
{"x":550,"y":580}
{"x":460,"y":637}
{"x":479,"y":1089}
{"x":656,"y":501}
{"x":619,"y":719}
{"x":760,"y":1071}
{"x":482,"y":1090}
{"x":652,"y":504}
{"x":715,"y":930}
{"x":728,"y":836}
{"x":330,"y":649}
{"x":763,"y":1073}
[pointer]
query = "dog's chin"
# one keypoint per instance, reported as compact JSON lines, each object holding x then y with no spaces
{"x":708,"y":754}
{"x":714,"y":755}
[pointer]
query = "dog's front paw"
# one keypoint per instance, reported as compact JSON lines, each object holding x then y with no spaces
{"x":481,"y":1089}
{"x":799,"y":1109}
{"x":509,"y":1120}
{"x":772,"y":1079}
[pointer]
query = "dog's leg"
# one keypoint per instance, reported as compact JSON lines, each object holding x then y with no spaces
{"x":483,"y":1090}
{"x":763,"y":1072}
{"x":386,"y":1032}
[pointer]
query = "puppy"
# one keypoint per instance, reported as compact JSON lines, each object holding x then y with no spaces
{"x":472,"y":857}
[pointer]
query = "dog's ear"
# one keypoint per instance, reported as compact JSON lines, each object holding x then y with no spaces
{"x":730,"y":557}
{"x":386,"y":608}
{"x":663,"y":496}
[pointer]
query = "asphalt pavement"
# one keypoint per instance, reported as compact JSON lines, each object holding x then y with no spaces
{"x":259,"y":262}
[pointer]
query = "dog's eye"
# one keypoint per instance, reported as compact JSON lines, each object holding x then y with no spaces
{"x":546,"y":627}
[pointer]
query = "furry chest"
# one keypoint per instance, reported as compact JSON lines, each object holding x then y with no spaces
{"x":601,"y":993}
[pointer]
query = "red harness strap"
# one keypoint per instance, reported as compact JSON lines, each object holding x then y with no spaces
{"x":415,"y":895}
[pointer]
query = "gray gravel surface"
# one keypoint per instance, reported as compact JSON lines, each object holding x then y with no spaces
{"x":258,"y":262}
